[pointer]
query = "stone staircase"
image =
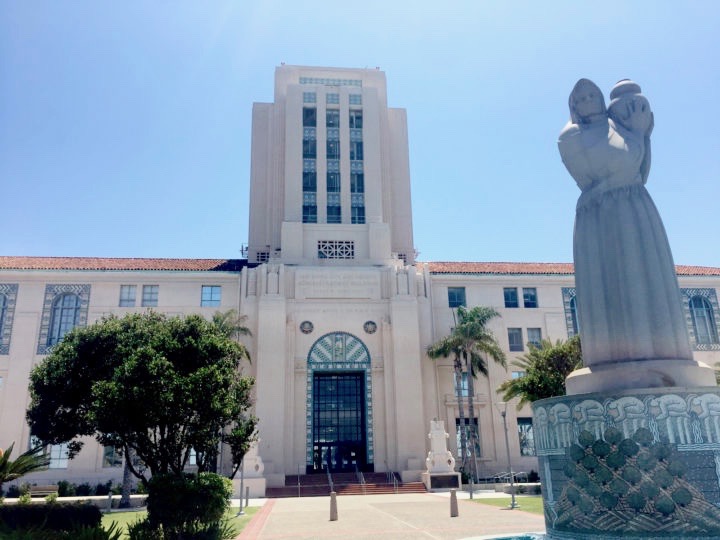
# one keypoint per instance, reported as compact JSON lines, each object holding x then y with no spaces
{"x":316,"y":485}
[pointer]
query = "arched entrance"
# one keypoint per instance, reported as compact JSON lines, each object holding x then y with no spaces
{"x":339,"y":405}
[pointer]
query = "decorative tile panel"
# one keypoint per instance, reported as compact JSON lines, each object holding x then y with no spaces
{"x":568,"y":293}
{"x":7,"y":313}
{"x":711,"y":297}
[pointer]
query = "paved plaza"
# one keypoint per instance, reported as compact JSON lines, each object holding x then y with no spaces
{"x":401,"y":516}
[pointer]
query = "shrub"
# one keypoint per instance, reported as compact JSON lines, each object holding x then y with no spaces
{"x":182,"y":503}
{"x":56,"y":517}
{"x":83,"y":490}
{"x":103,"y":489}
{"x":533,"y":476}
{"x":65,"y":489}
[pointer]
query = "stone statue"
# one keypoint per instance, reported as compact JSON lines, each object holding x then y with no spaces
{"x":628,"y":300}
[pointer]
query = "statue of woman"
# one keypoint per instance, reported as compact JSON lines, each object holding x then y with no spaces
{"x":628,"y":301}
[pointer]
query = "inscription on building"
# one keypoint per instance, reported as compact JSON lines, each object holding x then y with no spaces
{"x":337,"y":284}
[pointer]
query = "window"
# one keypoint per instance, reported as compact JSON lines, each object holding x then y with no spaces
{"x":703,"y":321}
{"x":127,"y":295}
{"x":150,"y":295}
{"x":357,"y":216}
{"x":530,"y":297}
{"x":518,"y":374}
{"x":456,"y":297}
{"x":192,"y":458}
{"x":310,"y":181}
{"x":356,"y":150}
{"x":527,"y":439}
{"x":210,"y":295}
{"x":574,"y":316}
{"x":309,"y":213}
{"x":534,"y":336}
{"x":111,"y":457}
{"x":333,"y":149}
{"x":309,"y":117}
{"x":463,"y":384}
{"x":356,"y":119}
{"x":468,"y":437}
{"x":515,"y":339}
{"x":332,"y":118}
{"x":336,"y":249}
{"x":262,"y":256}
{"x":332,"y":98}
{"x":58,"y":456}
{"x":333,"y":182}
{"x":64,"y":317}
{"x":357,"y":183}
{"x":3,"y":310}
{"x":511,"y":297}
{"x":309,"y":148}
{"x":309,"y":97}
{"x":334,"y":214}
{"x":355,"y":99}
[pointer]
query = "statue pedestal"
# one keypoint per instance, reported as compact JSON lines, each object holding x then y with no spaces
{"x":440,"y":474}
{"x":641,"y":463}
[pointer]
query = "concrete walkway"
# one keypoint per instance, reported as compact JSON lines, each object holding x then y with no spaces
{"x":401,"y":516}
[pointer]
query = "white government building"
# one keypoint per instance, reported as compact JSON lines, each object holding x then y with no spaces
{"x":340,"y":311}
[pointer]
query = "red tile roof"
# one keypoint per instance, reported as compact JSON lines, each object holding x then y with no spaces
{"x":540,"y":268}
{"x":105,"y":263}
{"x":235,"y":265}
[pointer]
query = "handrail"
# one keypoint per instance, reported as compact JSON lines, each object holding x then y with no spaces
{"x":395,"y":484}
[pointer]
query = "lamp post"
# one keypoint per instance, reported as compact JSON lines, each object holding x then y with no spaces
{"x":503,"y":413}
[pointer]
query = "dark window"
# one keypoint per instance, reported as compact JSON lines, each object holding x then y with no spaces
{"x":333,"y":149}
{"x":333,"y":182}
{"x":332,"y":118}
{"x":309,"y":117}
{"x":356,"y":119}
{"x":511,"y":297}
{"x":210,"y":295}
{"x":473,"y":434}
{"x":527,"y":439}
{"x":357,"y":183}
{"x":309,"y":148}
{"x":464,"y":392}
{"x":127,"y":295}
{"x":703,"y":321}
{"x":530,"y":297}
{"x":356,"y":150}
{"x":574,"y":316}
{"x":310,"y":181}
{"x":64,"y":317}
{"x":333,"y":214}
{"x":515,"y":339}
{"x":358,"y":215}
{"x":3,"y":310}
{"x":309,"y":213}
{"x":456,"y":297}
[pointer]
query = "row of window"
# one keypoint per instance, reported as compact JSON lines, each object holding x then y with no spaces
{"x":332,"y":118}
{"x":515,"y":338}
{"x":65,"y":307}
{"x":456,"y":297}
{"x":332,"y":98}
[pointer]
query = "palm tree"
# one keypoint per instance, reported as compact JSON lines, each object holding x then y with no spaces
{"x":231,"y":323}
{"x":27,"y":462}
{"x":469,"y":342}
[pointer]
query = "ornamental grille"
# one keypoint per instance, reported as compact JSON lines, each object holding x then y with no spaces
{"x":336,"y":249}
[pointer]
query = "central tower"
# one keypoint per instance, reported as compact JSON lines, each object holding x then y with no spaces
{"x":330,"y":180}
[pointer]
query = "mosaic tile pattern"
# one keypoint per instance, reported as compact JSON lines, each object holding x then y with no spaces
{"x":710,"y":296}
{"x":9,"y":292}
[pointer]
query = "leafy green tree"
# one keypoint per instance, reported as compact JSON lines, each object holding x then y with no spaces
{"x":469,"y":343}
{"x":546,"y":368}
{"x":231,"y":324}
{"x":150,"y":385}
{"x":33,"y":460}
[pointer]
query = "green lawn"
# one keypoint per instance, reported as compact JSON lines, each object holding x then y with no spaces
{"x":528,"y":503}
{"x":124,"y":518}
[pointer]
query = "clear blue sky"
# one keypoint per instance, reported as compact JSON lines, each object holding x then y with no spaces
{"x":125,"y":126}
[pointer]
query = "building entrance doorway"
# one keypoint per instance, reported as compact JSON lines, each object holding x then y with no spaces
{"x":339,"y":422}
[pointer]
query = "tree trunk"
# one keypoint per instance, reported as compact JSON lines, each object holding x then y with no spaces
{"x":461,"y":412}
{"x":127,"y":481}
{"x":471,"y":414}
